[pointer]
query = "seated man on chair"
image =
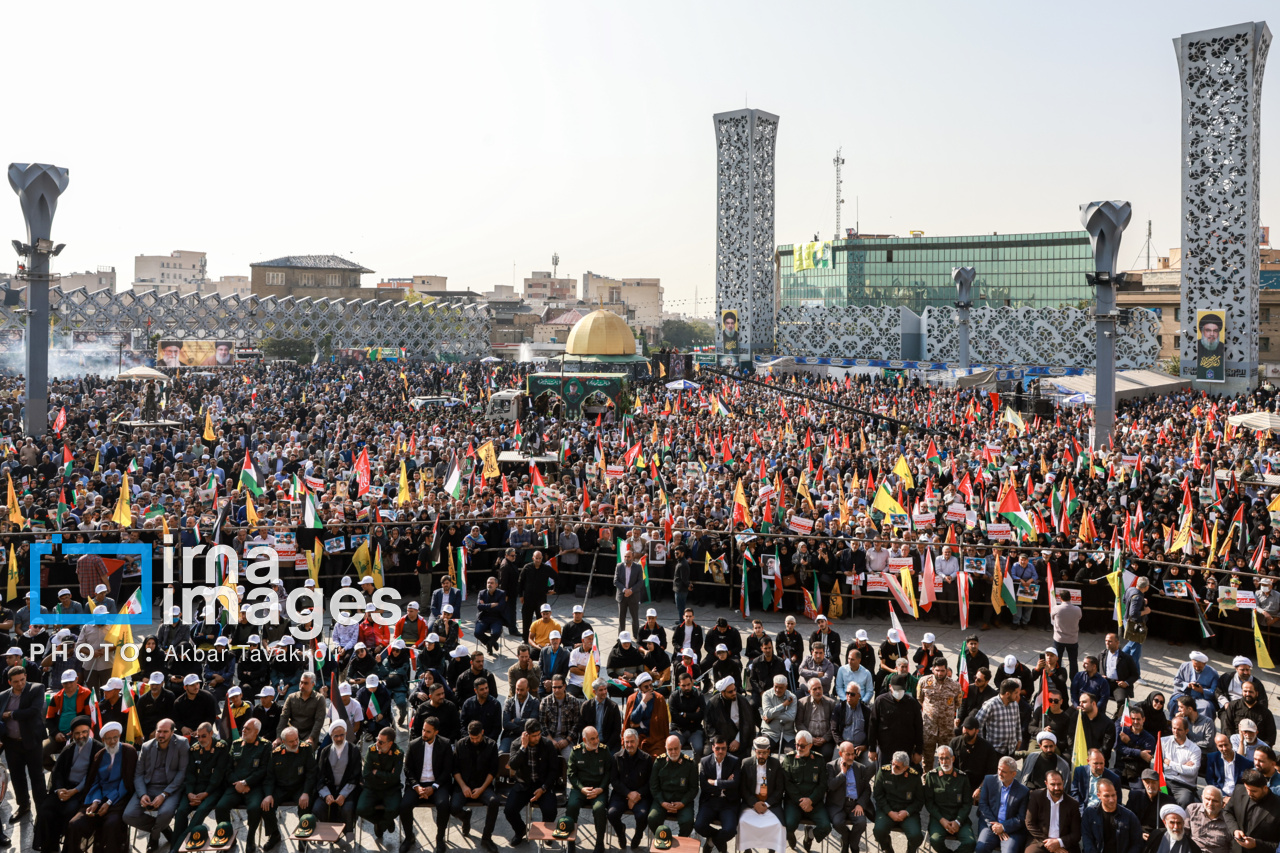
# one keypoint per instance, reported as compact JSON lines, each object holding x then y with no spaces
{"x":428,"y":774}
{"x":290,"y":779}
{"x":67,"y":785}
{"x":1002,"y":807}
{"x":338,"y":773}
{"x":535,"y":764}
{"x":718,"y":801}
{"x":110,"y":787}
{"x":899,"y":794}
{"x":629,"y":792}
{"x":674,"y":783}
{"x":849,"y":795}
{"x":381,"y":786}
{"x":244,"y":780}
{"x":475,"y":767}
{"x":590,"y":767}
{"x":208,"y":760}
{"x":948,"y":796}
{"x":158,"y":781}
{"x":805,"y":775}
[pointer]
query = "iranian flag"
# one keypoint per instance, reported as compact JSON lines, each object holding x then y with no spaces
{"x":1011,"y":510}
{"x":374,"y":709}
{"x":962,"y":669}
{"x":232,"y":726}
{"x":132,"y":727}
{"x":962,"y":597}
{"x":927,"y":594}
{"x":747,"y":560}
{"x":777,"y":580}
{"x":250,"y":480}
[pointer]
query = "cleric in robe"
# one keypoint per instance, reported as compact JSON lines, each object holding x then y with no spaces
{"x":1211,"y":363}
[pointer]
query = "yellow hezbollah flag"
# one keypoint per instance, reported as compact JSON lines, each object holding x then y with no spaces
{"x":250,"y":512}
{"x":15,"y":509}
{"x":123,"y":514}
{"x":13,"y":573}
{"x":403,"y":498}
{"x":490,"y":459}
{"x":886,"y":504}
{"x":909,"y":588}
{"x":1080,"y":753}
{"x":997,"y":583}
{"x":1264,"y":657}
{"x":209,"y":434}
{"x":903,"y":470}
{"x":376,"y":571}
{"x":313,"y":563}
{"x":590,"y":672}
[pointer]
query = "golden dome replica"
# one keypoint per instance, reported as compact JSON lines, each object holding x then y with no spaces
{"x":601,"y":342}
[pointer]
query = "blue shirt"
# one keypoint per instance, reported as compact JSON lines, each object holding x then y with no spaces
{"x":850,"y":785}
{"x":1004,"y":802}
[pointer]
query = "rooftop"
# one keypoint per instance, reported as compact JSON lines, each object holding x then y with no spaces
{"x":313,"y":262}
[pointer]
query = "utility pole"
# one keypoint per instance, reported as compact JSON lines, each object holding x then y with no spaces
{"x":555,"y":263}
{"x":1105,"y":221}
{"x":1148,"y":244}
{"x":839,"y":163}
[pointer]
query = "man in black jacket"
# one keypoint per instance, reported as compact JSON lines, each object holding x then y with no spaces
{"x":22,"y":711}
{"x":897,"y":722}
{"x":1119,"y":669}
{"x":761,"y":671}
{"x":975,"y":758}
{"x":532,"y":583}
{"x":536,"y":766}
{"x":475,"y":767}
{"x":337,"y":795}
{"x":849,"y":797}
{"x":629,"y":788}
{"x":688,"y":710}
{"x":719,"y":795}
{"x":428,"y":778}
{"x":731,"y":717}
{"x":601,"y":713}
{"x":70,"y":775}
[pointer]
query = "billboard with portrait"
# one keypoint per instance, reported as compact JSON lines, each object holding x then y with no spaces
{"x":12,"y":340}
{"x":176,"y":353}
{"x":729,"y":332}
{"x":1211,"y":346}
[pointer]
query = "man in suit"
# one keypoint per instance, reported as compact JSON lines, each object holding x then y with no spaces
{"x":109,"y":788}
{"x":1109,"y":825}
{"x":718,"y":787}
{"x":1085,"y":780}
{"x":1002,"y":807}
{"x":1053,"y":818}
{"x":601,"y":713}
{"x":629,"y":788}
{"x":815,"y":714}
{"x":67,"y":785}
{"x":1253,"y":815}
{"x":338,"y":775}
{"x":1120,"y":670}
{"x":1222,"y":769}
{"x":22,"y":710}
{"x":157,"y":784}
{"x":428,"y":772}
{"x":849,"y":803}
{"x":761,"y":785}
{"x":628,"y":580}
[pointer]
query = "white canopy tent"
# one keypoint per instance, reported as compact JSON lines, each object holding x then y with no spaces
{"x":1129,"y":384}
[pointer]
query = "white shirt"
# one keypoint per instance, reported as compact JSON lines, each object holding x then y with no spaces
{"x":1228,"y":776}
{"x":1054,"y":805}
{"x":719,"y":767}
{"x":1177,"y":757}
{"x":760,"y":769}
{"x":733,"y":711}
{"x":428,"y":771}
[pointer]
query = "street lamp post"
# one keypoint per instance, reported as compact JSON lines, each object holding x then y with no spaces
{"x":963,"y":278}
{"x":38,"y":187}
{"x":1105,"y":221}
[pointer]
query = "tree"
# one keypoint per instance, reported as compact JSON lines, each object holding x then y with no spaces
{"x":687,"y":333}
{"x":297,"y":349}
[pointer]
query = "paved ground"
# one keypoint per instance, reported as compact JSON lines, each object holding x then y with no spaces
{"x":1160,"y":663}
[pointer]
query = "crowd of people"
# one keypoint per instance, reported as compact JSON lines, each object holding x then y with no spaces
{"x":823,"y":500}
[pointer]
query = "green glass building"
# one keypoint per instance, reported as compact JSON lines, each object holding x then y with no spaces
{"x":1035,"y":270}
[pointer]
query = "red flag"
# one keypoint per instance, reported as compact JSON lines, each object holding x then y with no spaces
{"x":586,"y":499}
{"x":363,"y":472}
{"x":1044,"y":691}
{"x":1158,"y":762}
{"x":927,"y":594}
{"x":962,"y":598}
{"x":60,"y":422}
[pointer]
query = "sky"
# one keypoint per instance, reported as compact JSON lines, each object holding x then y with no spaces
{"x":474,"y":140}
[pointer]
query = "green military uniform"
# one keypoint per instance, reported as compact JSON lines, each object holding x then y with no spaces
{"x":806,"y":777}
{"x":206,"y":774}
{"x":289,"y":776}
{"x":589,"y":769}
{"x":248,"y":764}
{"x":670,"y":782}
{"x":949,"y":797}
{"x":895,"y":794}
{"x":382,"y":787}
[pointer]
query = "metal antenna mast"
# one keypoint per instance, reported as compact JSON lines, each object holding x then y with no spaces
{"x":555,"y":263}
{"x":839,"y":163}
{"x":1148,"y":244}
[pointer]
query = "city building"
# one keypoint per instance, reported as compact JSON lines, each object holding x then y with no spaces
{"x":230,"y":285}
{"x":181,"y":271}
{"x":425,"y":283}
{"x":642,"y":297}
{"x":543,"y":287}
{"x":89,"y":279}
{"x":1042,"y":270}
{"x":317,"y":276}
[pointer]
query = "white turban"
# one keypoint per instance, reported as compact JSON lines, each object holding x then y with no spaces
{"x":1241,"y":660}
{"x":337,"y":724}
{"x":111,"y":727}
{"x":1172,"y":808}
{"x":1199,"y":656}
{"x":1047,"y":735}
{"x":724,"y":683}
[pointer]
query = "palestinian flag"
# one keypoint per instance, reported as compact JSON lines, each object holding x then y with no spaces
{"x":460,"y":568}
{"x":932,"y":455}
{"x":250,"y":480}
{"x":1002,"y":592}
{"x":453,"y":480}
{"x":66,"y":461}
{"x":777,"y":581}
{"x":233,"y":727}
{"x":535,"y":478}
{"x":1205,"y":631}
{"x":63,"y":509}
{"x":1157,"y":760}
{"x":311,"y":513}
{"x":1011,"y":510}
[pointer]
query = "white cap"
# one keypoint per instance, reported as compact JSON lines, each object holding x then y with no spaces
{"x":222,"y":641}
{"x":1241,"y":660}
{"x":286,"y":640}
{"x":820,"y":618}
{"x":346,"y":581}
{"x":1010,"y":663}
{"x":14,"y":651}
{"x":588,"y":633}
{"x":62,"y":634}
{"x":309,"y":583}
{"x":929,"y":638}
{"x":651,"y":612}
{"x":114,"y":684}
{"x":624,"y":637}
{"x":687,"y":652}
{"x":156,"y":678}
{"x":371,"y":608}
{"x":102,"y":587}
{"x":893,"y":635}
{"x":254,"y":639}
{"x":109,"y":728}
{"x":412,"y":605}
{"x":554,"y":635}
{"x":861,"y":635}
{"x":175,"y":610}
{"x":371,"y":682}
{"x":642,"y":678}
{"x":1199,"y":656}
{"x":100,"y":610}
{"x":344,"y":689}
{"x":69,"y":675}
{"x":433,"y":637}
{"x":448,"y":608}
{"x":191,"y":679}
{"x":267,"y":691}
{"x":653,"y":639}
{"x":358,"y":646}
{"x":577,"y":608}
{"x":397,"y":643}
{"x":545,"y":608}
{"x":1051,"y":650}
{"x":366,"y":579}
{"x":724,"y":683}
{"x":337,"y":724}
{"x":63,"y":591}
{"x":235,"y":691}
{"x":721,"y":648}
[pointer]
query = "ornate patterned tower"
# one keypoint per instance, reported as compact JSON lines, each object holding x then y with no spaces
{"x":1221,"y":73}
{"x":744,"y":229}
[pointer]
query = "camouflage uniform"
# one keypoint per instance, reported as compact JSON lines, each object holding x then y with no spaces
{"x":940,"y":702}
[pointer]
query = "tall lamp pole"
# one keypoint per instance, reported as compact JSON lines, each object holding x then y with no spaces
{"x":1105,"y":221}
{"x":38,"y":187}
{"x":963,"y":278}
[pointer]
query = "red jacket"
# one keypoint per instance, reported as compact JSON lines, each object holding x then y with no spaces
{"x":422,"y":629}
{"x":373,"y":635}
{"x":53,"y":716}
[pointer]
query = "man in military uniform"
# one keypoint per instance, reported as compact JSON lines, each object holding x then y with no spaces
{"x":246,"y":771}
{"x":805,"y":776}
{"x":940,"y":698}
{"x":590,"y":766}
{"x":208,"y":761}
{"x":290,"y":779}
{"x":383,"y":764}
{"x":949,"y":797}
{"x":674,"y":783}
{"x":899,"y":795}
